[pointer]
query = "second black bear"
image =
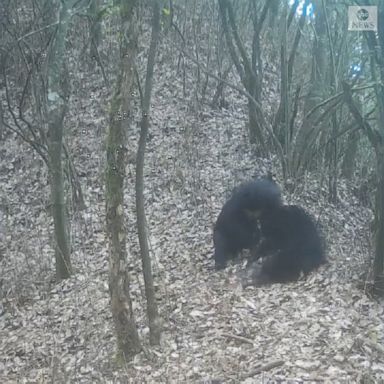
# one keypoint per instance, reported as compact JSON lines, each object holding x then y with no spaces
{"x":291,"y":245}
{"x":236,"y":227}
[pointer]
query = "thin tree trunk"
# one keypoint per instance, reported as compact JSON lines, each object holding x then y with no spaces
{"x":153,"y":316}
{"x":349,"y":160}
{"x":62,"y":247}
{"x":1,"y":122}
{"x":128,"y":342}
{"x":57,"y":106}
{"x":248,"y":68}
{"x":95,"y":30}
{"x":317,"y":92}
{"x":376,"y":137}
{"x":378,"y":269}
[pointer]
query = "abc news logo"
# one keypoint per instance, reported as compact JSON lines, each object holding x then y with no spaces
{"x":362,"y":18}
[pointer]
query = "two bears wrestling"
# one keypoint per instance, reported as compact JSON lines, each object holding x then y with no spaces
{"x":284,"y":236}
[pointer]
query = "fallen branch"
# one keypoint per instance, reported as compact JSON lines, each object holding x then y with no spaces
{"x":263,"y":368}
{"x":239,"y":338}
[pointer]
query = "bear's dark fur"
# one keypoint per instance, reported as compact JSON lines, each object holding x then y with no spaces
{"x":291,"y":245}
{"x":236,"y":227}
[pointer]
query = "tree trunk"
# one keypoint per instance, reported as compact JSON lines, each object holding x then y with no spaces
{"x":57,"y":99}
{"x":378,"y":269}
{"x":1,"y":122}
{"x":128,"y":342}
{"x":96,"y":13}
{"x":254,"y":126}
{"x":316,"y":93}
{"x":153,"y":316}
{"x":95,"y":30}
{"x":376,"y":45}
{"x":349,"y":160}
{"x":249,"y":67}
{"x":62,"y":247}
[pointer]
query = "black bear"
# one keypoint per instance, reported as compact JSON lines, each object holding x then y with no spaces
{"x":291,"y":244}
{"x":236,"y":227}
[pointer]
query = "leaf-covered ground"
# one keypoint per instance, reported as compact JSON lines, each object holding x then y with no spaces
{"x":322,"y":329}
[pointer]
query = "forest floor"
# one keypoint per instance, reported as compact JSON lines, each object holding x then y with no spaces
{"x":321,"y":329}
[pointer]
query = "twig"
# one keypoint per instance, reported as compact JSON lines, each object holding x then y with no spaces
{"x":263,"y":368}
{"x":239,"y":338}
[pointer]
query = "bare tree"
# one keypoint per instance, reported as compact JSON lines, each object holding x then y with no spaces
{"x":153,"y":316}
{"x":376,"y":137}
{"x":248,"y":66}
{"x":57,"y":102}
{"x":95,"y":13}
{"x":38,"y":104}
{"x":128,"y":342}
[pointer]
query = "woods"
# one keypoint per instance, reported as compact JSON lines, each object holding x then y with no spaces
{"x":133,"y":138}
